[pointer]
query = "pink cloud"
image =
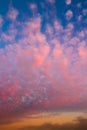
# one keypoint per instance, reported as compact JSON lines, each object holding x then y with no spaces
{"x":69,"y":14}
{"x":33,"y":6}
{"x":35,"y":75}
{"x":12,"y":14}
{"x":74,"y":41}
{"x":68,"y":2}
{"x":82,"y":51}
{"x":81,"y":34}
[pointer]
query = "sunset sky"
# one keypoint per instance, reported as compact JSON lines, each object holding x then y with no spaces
{"x":43,"y":63}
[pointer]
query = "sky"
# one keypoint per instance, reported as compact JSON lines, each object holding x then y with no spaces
{"x":43,"y":58}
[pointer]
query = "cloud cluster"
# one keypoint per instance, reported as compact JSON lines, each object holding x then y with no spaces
{"x":42,"y":71}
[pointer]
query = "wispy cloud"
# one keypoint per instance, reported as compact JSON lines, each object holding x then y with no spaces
{"x":1,"y":21}
{"x":80,"y":125}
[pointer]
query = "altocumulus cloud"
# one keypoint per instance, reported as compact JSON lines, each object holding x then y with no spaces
{"x":42,"y":70}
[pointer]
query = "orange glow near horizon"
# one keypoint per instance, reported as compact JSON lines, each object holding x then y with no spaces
{"x":43,"y":118}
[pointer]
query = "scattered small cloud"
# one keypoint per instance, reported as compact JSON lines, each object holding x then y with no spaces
{"x":1,"y":21}
{"x":69,"y":15}
{"x":68,"y":2}
{"x":79,"y":18}
{"x":51,"y":1}
{"x":12,"y":14}
{"x":79,"y":5}
{"x":84,"y":12}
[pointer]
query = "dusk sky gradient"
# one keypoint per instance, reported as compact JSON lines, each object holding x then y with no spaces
{"x":43,"y":56}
